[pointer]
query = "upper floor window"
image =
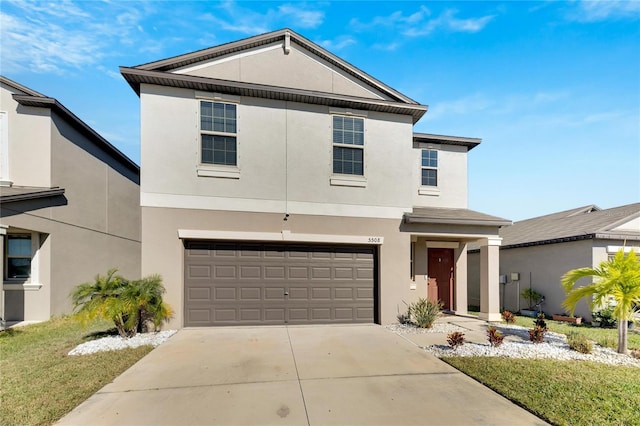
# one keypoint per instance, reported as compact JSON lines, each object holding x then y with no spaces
{"x":18,"y":256}
{"x":348,"y":145}
{"x":218,"y":133}
{"x":429,"y":167}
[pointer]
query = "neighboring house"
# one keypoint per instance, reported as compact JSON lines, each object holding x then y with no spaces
{"x":537,"y":252}
{"x":282,"y":185}
{"x":69,"y":205}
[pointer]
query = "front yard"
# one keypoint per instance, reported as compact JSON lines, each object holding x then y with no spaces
{"x":40,"y":383}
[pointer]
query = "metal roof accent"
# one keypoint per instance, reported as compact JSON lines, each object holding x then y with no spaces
{"x":447,"y":140}
{"x":10,"y":194}
{"x":268,"y":38}
{"x":53,"y":104}
{"x":135,"y":77}
{"x":453,"y":217}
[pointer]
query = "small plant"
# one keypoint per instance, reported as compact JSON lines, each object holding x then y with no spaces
{"x":404,"y":318}
{"x":424,"y":312}
{"x":455,"y":339}
{"x":608,"y":342}
{"x":579,"y":342}
{"x":605,"y":317}
{"x":532,"y":296}
{"x":495,"y":337}
{"x":509,"y":317}
{"x":635,"y":353}
{"x":536,"y":334}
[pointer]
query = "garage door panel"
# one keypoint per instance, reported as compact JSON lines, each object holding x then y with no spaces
{"x":199,"y":293}
{"x":247,"y":284}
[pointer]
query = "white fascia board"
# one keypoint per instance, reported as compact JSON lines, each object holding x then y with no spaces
{"x":231,"y":57}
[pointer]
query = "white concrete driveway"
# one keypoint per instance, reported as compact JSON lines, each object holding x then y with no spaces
{"x":296,"y":375}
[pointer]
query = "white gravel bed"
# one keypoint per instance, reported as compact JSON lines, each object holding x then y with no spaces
{"x":554,"y":346}
{"x":114,"y":343}
{"x":437,"y":328}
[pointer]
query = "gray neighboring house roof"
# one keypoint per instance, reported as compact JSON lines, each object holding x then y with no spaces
{"x":588,"y":222}
{"x":159,"y":73}
{"x":453,"y":217}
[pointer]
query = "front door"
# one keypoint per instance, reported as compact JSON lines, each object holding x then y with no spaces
{"x":441,"y":276}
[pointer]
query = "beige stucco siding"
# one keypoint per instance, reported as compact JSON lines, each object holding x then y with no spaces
{"x":451,"y":191}
{"x":29,"y":132}
{"x":270,"y":65}
{"x":163,"y":251}
{"x":284,"y":158}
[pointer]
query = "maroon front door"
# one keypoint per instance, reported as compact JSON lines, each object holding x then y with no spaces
{"x":441,"y":276}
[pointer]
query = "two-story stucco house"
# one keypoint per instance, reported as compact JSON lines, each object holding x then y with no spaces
{"x":69,"y":205}
{"x":282,"y":185}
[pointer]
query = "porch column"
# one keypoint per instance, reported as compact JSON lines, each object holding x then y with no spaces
{"x":461,"y":303}
{"x":489,"y":279}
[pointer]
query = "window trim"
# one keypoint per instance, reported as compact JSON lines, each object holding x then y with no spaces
{"x":433,"y":190}
{"x":27,"y":284}
{"x":229,"y":171}
{"x":348,"y":179}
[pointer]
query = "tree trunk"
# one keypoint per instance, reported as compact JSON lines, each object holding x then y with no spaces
{"x":622,"y":336}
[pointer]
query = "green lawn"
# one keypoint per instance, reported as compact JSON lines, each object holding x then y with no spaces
{"x":561,"y":392}
{"x":603,"y":336}
{"x":40,"y":383}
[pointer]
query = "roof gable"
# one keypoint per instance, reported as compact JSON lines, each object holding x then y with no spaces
{"x":281,"y":58}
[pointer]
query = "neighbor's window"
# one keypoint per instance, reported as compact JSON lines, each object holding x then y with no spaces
{"x":429,"y":167}
{"x":218,"y":133}
{"x":348,"y":145}
{"x":18,"y":256}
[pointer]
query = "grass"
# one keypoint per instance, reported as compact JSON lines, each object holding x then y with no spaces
{"x":561,"y":392}
{"x":607,"y":337}
{"x":40,"y":383}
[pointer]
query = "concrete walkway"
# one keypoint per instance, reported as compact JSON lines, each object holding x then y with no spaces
{"x":296,"y":375}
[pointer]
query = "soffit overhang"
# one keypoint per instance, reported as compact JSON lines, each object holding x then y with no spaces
{"x":135,"y":77}
{"x":428,"y":138}
{"x":23,"y":193}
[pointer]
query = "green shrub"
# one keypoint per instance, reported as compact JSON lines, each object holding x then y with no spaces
{"x":605,"y":317}
{"x":424,"y":312}
{"x":455,"y":339}
{"x":608,"y":342}
{"x":495,"y":337}
{"x":133,"y":306}
{"x":579,"y":342}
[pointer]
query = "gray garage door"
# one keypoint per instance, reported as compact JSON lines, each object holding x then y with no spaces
{"x":247,"y":284}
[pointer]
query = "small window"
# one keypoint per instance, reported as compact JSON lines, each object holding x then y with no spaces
{"x":218,"y":128}
{"x":348,"y":145}
{"x":429,"y":167}
{"x":18,"y":256}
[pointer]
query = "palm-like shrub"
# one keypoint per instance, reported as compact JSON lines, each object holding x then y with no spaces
{"x":131,"y":305}
{"x":424,"y":312}
{"x":618,"y":278}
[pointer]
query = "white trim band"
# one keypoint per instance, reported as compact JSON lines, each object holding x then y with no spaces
{"x":287,"y":236}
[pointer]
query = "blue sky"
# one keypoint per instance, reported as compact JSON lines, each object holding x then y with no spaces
{"x":552,"y":88}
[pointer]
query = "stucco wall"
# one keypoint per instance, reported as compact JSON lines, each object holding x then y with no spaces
{"x":29,"y":132}
{"x":270,"y":65}
{"x":541,"y":268}
{"x":163,"y":251}
{"x":284,"y":160}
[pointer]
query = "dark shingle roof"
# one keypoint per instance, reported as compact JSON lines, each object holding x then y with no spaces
{"x":580,"y":223}
{"x":453,"y":216}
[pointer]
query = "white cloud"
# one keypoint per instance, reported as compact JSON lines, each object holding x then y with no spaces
{"x":303,"y":18}
{"x":600,"y":10}
{"x":338,"y":43}
{"x":422,"y":23}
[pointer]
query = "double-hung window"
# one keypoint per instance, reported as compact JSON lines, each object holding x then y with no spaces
{"x":19,"y":256}
{"x":218,"y":133}
{"x":348,"y":145}
{"x":429,"y":167}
